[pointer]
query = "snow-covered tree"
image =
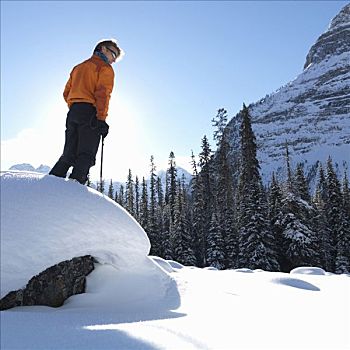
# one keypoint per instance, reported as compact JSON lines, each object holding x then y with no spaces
{"x":204,"y":199}
{"x":198,"y":215}
{"x":334,"y":216}
{"x":300,"y":184}
{"x":180,"y":232}
{"x":275,"y":217}
{"x":321,"y":225}
{"x":215,"y":245}
{"x":255,"y":235}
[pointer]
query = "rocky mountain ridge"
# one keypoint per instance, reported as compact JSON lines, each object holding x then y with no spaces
{"x":311,"y":113}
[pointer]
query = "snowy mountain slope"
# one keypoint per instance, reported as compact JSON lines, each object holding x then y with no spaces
{"x":312,"y":112}
{"x":133,"y":301}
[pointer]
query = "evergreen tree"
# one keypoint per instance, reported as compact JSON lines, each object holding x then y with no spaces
{"x":321,"y":224}
{"x":153,"y":231}
{"x":100,"y":186}
{"x":144,"y":206}
{"x":219,"y":122}
{"x":121,"y":196}
{"x":116,"y":196}
{"x":130,"y":194}
{"x":215,"y":246}
{"x":301,"y":244}
{"x":346,"y":195}
{"x":137,"y":199}
{"x":205,"y":197}
{"x":167,"y":234}
{"x":111,"y":190}
{"x":334,"y":216}
{"x":160,"y":219}
{"x":160,"y":192}
{"x":289,"y":183}
{"x":337,"y":220}
{"x":225,"y":201}
{"x":255,"y":236}
{"x":275,"y":218}
{"x":300,"y":183}
{"x":180,"y":232}
{"x":225,"y":204}
{"x":198,"y":215}
{"x":171,"y":186}
{"x":346,"y":220}
{"x":88,"y":183}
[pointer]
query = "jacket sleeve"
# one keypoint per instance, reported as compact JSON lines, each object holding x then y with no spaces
{"x":103,"y":91}
{"x":67,"y":89}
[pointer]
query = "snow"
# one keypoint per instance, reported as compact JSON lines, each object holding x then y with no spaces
{"x":134,"y":301}
{"x":45,"y":220}
{"x":308,"y":271}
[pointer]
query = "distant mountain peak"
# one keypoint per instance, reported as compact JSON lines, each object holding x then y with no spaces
{"x":341,"y":19}
{"x":334,"y":41}
{"x":44,"y":169}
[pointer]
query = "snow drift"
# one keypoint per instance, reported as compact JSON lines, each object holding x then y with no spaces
{"x":45,"y":220}
{"x":132,"y":301}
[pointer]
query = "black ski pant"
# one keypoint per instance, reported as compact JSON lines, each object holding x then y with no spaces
{"x":81,"y":143}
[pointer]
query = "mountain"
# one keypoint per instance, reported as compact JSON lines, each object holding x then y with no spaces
{"x":44,"y":169}
{"x":310,"y":113}
{"x":161,"y":174}
{"x":180,"y":173}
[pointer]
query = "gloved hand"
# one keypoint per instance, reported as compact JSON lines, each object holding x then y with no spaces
{"x":102,"y":128}
{"x":100,"y":125}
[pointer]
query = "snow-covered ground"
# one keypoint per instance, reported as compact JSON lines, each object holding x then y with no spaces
{"x":134,"y":301}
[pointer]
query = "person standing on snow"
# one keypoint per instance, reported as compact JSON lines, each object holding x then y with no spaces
{"x":87,"y":94}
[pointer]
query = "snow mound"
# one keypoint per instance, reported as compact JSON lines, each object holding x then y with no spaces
{"x":145,"y":288}
{"x":308,"y":271}
{"x":295,"y":283}
{"x":45,"y":220}
{"x":244,"y":270}
{"x":162,"y":263}
{"x":175,"y":264}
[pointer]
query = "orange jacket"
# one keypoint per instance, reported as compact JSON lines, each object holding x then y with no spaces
{"x":91,"y":81}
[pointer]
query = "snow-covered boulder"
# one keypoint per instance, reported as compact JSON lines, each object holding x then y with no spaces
{"x":53,"y":286}
{"x":305,"y":270}
{"x":46,"y":220}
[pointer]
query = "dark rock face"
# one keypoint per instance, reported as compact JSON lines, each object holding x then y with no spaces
{"x":52,"y":286}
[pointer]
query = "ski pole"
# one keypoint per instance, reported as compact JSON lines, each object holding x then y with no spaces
{"x":103,"y":143}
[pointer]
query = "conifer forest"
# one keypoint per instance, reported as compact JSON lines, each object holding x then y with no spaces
{"x":227,"y":218}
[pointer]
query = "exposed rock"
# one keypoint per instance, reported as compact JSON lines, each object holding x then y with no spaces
{"x":334,"y":41}
{"x":52,"y":286}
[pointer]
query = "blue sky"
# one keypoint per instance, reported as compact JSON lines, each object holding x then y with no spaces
{"x":184,"y":60}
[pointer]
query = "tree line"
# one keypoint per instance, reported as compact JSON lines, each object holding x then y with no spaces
{"x":226,"y":218}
